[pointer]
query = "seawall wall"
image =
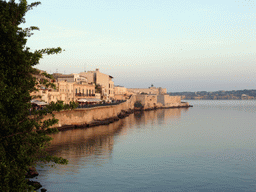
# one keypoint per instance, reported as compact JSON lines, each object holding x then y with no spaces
{"x":93,"y":116}
{"x":84,"y":116}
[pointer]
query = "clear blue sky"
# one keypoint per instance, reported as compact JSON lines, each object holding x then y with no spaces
{"x":182,"y":45}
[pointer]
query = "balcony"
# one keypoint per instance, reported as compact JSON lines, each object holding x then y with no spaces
{"x":85,"y":95}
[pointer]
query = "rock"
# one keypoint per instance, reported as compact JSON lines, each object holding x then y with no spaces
{"x":31,"y":173}
{"x":66,"y":127}
{"x":94,"y":123}
{"x":43,"y":190}
{"x":35,"y":184}
{"x":116,"y":118}
{"x":81,"y":126}
{"x":123,"y":114}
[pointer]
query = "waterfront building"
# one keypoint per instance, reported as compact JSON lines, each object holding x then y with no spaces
{"x":168,"y":101}
{"x":104,"y":81}
{"x":148,"y":101}
{"x":154,"y":97}
{"x":120,"y":92}
{"x":68,"y":88}
{"x":69,"y":77}
{"x":83,"y":90}
{"x":246,"y":97}
{"x":150,"y":90}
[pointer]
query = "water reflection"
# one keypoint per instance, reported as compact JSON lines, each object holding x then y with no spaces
{"x":97,"y":142}
{"x":207,"y":148}
{"x":160,"y":116}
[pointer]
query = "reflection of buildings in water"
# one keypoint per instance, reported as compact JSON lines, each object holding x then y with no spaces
{"x":167,"y":115}
{"x":83,"y":146}
{"x":96,"y":142}
{"x":154,"y":117}
{"x":160,"y":116}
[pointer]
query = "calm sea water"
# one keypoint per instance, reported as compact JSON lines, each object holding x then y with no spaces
{"x":210,"y":147}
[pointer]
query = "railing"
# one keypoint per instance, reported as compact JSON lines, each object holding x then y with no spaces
{"x":98,"y":105}
{"x":83,"y":94}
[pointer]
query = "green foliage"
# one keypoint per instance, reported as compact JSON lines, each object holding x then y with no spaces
{"x":97,"y":88}
{"x":23,"y":137}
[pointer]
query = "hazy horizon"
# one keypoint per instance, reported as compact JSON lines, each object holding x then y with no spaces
{"x":177,"y":44}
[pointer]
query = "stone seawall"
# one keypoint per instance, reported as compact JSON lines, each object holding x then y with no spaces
{"x":92,"y":116}
{"x":88,"y":117}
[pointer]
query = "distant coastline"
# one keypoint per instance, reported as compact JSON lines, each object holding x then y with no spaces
{"x":218,"y":95}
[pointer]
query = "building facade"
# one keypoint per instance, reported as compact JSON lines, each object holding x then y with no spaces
{"x":120,"y":93}
{"x":105,"y":81}
{"x":66,"y":92}
{"x":167,"y":100}
{"x":148,"y":101}
{"x":150,"y":90}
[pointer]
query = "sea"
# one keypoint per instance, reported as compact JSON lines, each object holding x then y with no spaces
{"x":208,"y":147}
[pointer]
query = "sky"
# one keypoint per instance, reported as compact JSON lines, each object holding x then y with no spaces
{"x":181,"y":45}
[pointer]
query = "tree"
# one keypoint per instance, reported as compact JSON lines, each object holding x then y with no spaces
{"x":98,"y":88}
{"x":23,"y":137}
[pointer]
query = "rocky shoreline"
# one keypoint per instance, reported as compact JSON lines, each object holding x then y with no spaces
{"x":31,"y":173}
